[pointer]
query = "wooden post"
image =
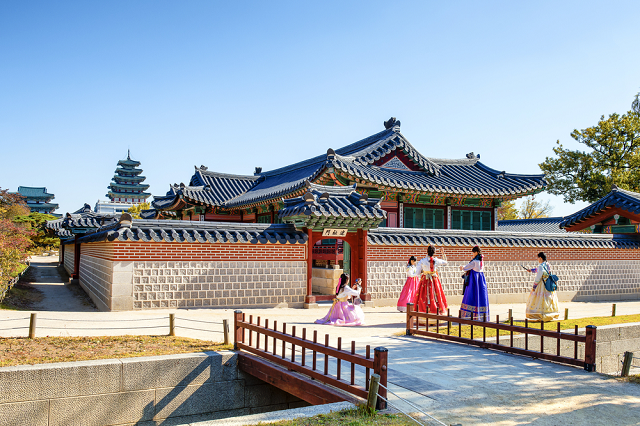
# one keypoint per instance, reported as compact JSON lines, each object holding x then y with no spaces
{"x":309,"y":297}
{"x":238,"y":335}
{"x":409,"y":310}
{"x":613,"y":310}
{"x":590,"y":349}
{"x":372,"y":398}
{"x":510,"y":314}
{"x":172,"y":324}
{"x":626,"y":364}
{"x":380,"y":357}
{"x":32,"y":326}
{"x":566,"y":314}
{"x":225,"y":329}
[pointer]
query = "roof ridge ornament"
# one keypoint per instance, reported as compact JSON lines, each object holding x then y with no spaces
{"x":392,"y":122}
{"x":614,"y":187}
{"x":125,"y":220}
{"x":331,"y":154}
{"x":257,"y":171}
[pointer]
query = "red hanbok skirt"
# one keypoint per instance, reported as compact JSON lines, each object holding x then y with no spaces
{"x":430,"y":295}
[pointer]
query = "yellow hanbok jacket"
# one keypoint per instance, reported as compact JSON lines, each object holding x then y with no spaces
{"x":542,"y":305}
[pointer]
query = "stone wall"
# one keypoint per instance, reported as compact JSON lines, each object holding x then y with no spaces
{"x":161,"y":284}
{"x":581,"y":278}
{"x":325,"y":280}
{"x":142,"y":391}
{"x":69,"y":250}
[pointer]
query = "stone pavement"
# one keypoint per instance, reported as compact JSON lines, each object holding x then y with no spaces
{"x":454,"y":382}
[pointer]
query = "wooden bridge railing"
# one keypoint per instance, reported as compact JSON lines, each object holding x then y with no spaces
{"x":301,"y":355}
{"x":589,"y":340}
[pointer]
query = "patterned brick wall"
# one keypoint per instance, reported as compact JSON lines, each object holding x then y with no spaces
{"x":206,"y":251}
{"x":69,"y":250}
{"x":613,"y":276}
{"x":163,"y":284}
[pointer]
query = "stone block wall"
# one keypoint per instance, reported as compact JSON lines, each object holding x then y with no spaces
{"x":142,"y":391}
{"x":582,"y":278}
{"x":162,"y":284}
{"x":69,"y":251}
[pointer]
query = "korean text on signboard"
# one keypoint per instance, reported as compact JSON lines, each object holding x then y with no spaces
{"x":334,"y":232}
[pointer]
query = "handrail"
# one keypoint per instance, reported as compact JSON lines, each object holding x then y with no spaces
{"x":589,"y":339}
{"x":286,"y":357}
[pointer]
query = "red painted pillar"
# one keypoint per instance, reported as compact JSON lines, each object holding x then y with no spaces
{"x":76,"y":260}
{"x":310,"y":242}
{"x":362,"y":262}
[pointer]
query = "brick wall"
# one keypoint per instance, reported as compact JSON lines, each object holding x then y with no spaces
{"x":69,"y":250}
{"x":613,"y":276}
{"x":206,"y":251}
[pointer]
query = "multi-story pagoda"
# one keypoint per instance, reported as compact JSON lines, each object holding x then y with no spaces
{"x":416,"y":191}
{"x":38,"y":199}
{"x":126,"y":185}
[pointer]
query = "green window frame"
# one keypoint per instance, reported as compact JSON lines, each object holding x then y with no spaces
{"x":475,"y":220}
{"x":423,"y":218}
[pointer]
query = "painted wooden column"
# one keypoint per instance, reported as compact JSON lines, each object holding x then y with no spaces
{"x":76,"y":259}
{"x":448,"y":217}
{"x":362,"y":262}
{"x":309,"y":298}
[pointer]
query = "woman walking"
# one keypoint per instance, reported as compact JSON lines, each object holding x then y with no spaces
{"x":542,"y":305}
{"x":430,"y":297}
{"x":342,"y":312}
{"x":475,"y":302}
{"x":411,"y":285}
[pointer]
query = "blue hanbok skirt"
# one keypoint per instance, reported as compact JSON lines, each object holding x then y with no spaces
{"x":475,"y":302}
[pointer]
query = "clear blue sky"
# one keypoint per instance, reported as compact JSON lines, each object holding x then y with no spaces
{"x":234,"y":85}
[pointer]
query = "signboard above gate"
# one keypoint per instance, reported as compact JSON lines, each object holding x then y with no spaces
{"x":334,"y":232}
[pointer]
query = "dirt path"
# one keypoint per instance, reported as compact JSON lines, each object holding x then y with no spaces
{"x":56,"y":295}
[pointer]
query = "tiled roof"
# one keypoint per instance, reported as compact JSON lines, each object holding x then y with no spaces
{"x":124,"y":172}
{"x":333,"y":206}
{"x":81,"y":221}
{"x":545,"y":225}
{"x":136,"y":186}
{"x":626,"y":200}
{"x":181,"y":231}
{"x":42,"y":206}
{"x":450,"y":237}
{"x":34,"y":192}
{"x":466,"y":177}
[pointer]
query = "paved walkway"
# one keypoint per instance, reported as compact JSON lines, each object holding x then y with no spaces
{"x":454,"y":382}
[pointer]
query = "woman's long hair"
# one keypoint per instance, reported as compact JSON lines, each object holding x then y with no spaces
{"x":410,"y":259}
{"x":344,"y":279}
{"x":479,"y":256}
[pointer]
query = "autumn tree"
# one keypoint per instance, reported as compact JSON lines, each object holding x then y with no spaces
{"x":135,"y":210}
{"x":507,"y":210}
{"x":534,"y":209}
{"x":612,"y":157}
{"x":14,"y":237}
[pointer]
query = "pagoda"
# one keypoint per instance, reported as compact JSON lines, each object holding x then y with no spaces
{"x":38,"y":199}
{"x":126,"y":185}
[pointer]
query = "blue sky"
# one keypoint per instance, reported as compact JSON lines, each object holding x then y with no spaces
{"x":235,"y":85}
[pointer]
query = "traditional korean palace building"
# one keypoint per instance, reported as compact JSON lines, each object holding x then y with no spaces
{"x":416,"y":191}
{"x":282,"y":237}
{"x":616,"y":213}
{"x":38,"y":199}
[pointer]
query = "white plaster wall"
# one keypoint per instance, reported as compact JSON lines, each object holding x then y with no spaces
{"x":108,"y":283}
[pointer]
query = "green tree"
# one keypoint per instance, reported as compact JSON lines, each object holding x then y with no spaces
{"x":136,"y":209}
{"x":612,"y":157}
{"x":36,"y":222}
{"x":507,"y":210}
{"x":534,"y":209}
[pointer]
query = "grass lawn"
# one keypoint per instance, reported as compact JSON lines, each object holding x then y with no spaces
{"x":551,"y":325}
{"x":354,"y":417}
{"x":21,"y":350}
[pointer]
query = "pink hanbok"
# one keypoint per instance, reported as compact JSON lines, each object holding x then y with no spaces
{"x":342,"y":312}
{"x":410,"y":288}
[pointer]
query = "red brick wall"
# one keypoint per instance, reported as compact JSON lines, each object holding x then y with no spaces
{"x":193,"y":251}
{"x":397,"y":253}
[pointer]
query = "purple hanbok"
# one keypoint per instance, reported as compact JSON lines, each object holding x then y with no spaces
{"x":342,"y":312}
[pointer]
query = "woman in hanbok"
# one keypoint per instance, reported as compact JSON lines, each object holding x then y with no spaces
{"x":342,"y":312}
{"x":475,"y":301}
{"x":542,"y":305}
{"x":430,"y":297}
{"x":411,"y":285}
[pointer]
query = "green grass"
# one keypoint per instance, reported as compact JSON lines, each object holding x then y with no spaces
{"x":551,"y":325}
{"x":354,"y":417}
